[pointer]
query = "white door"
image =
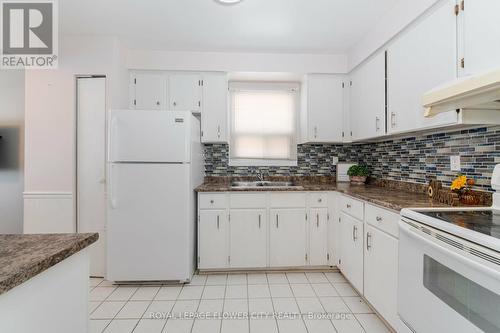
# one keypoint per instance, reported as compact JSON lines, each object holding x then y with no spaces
{"x":212,"y":239}
{"x":149,"y":90}
{"x":368,"y":99}
{"x":318,"y":237}
{"x":248,"y":242}
{"x":184,"y":92}
{"x":214,"y":121}
{"x":288,"y":232}
{"x":91,"y":162}
{"x":480,"y":31}
{"x":148,"y":222}
{"x":351,"y":239}
{"x":149,"y":136}
{"x":325,"y":108}
{"x":381,"y":273}
{"x":413,"y":70}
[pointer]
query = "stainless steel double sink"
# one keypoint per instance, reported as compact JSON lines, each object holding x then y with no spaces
{"x":263,"y":184}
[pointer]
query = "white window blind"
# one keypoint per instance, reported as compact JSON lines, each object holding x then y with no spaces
{"x":263,"y":125}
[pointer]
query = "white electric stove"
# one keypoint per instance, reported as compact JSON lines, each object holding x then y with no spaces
{"x":449,"y":268}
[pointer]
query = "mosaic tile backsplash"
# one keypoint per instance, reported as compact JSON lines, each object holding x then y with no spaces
{"x":413,"y":159}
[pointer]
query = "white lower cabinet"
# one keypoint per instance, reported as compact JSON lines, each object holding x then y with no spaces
{"x":351,"y":250}
{"x":318,"y":243}
{"x":287,"y":237}
{"x":381,"y":273}
{"x":247,"y":238}
{"x":212,"y":239}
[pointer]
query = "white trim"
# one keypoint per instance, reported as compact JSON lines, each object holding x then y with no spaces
{"x":46,"y":194}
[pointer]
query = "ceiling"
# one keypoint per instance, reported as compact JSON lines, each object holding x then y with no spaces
{"x":282,"y":26}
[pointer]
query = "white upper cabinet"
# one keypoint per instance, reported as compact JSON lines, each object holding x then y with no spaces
{"x":322,"y":108}
{"x":148,"y":91}
{"x":367,"y":103}
{"x":479,"y":31}
{"x":419,"y":60}
{"x":214,"y":120}
{"x":184,"y":92}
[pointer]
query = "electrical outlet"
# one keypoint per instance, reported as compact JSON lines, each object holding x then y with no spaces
{"x":335,"y":160}
{"x":455,"y":163}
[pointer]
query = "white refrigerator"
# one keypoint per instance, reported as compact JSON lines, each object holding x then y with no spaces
{"x":154,"y":163}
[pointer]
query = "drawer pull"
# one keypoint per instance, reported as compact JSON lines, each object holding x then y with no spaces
{"x":218,"y":222}
{"x":378,"y":218}
{"x":368,"y":238}
{"x":317,"y":220}
{"x":259,"y":221}
{"x":212,"y":201}
{"x":354,"y":233}
{"x":319,"y":200}
{"x":277,"y":221}
{"x":348,"y":206}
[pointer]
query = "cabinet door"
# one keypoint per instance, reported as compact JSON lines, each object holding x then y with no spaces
{"x":214,"y":124}
{"x":325,"y":108}
{"x":287,"y":237}
{"x":412,"y":70}
{"x":149,"y":90}
{"x":185,"y":92}
{"x":333,"y":229}
{"x":212,"y":239}
{"x":368,"y":99}
{"x":247,"y":239}
{"x":381,"y":273}
{"x":318,"y":237}
{"x":479,"y":27}
{"x":351,"y":240}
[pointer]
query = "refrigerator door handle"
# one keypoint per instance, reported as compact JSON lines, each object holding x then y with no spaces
{"x":111,"y":136}
{"x":112,"y":199}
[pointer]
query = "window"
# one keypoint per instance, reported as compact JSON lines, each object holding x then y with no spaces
{"x":263,"y":124}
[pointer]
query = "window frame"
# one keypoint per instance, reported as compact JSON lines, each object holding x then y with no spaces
{"x":293,"y":87}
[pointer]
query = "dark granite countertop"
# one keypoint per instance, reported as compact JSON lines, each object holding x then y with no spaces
{"x":25,"y":256}
{"x":380,"y":193}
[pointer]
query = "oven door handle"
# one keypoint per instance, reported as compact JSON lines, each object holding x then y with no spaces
{"x":454,"y":254}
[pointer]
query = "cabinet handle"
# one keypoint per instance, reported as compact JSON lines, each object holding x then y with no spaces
{"x":315,"y":132}
{"x":317,"y":220}
{"x":348,"y":206}
{"x":393,"y":119}
{"x":218,"y":131}
{"x":212,"y":201}
{"x":354,"y":233}
{"x":157,"y":102}
{"x":368,"y":238}
{"x":319,"y":200}
{"x":175,"y":103}
{"x":378,"y":218}
{"x":277,"y":221}
{"x":377,"y":121}
{"x":259,"y":220}
{"x":218,"y":222}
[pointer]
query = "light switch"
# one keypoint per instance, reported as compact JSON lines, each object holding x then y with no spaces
{"x":455,"y":163}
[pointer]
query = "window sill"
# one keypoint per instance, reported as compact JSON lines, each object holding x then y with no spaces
{"x":250,"y":162}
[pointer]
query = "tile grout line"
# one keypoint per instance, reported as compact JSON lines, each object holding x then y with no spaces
{"x":295,"y":298}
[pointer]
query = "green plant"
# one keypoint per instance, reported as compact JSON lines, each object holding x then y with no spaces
{"x":358,"y":170}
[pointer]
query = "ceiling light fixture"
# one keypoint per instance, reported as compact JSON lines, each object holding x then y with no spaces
{"x":227,"y":2}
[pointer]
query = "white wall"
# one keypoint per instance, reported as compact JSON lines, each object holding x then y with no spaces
{"x":50,"y":124}
{"x":236,"y":62}
{"x":11,"y":150}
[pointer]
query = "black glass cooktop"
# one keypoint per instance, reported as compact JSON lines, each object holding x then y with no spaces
{"x":486,"y":222}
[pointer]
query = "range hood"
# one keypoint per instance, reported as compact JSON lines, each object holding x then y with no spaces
{"x":475,"y":93}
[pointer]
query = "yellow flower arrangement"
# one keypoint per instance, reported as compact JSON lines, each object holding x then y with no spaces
{"x":459,"y":183}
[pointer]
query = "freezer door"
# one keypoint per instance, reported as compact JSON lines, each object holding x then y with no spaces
{"x":149,"y":224}
{"x":149,"y":136}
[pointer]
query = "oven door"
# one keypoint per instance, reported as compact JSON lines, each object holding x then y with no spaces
{"x":444,"y":284}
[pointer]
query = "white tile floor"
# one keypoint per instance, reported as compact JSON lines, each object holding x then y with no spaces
{"x":285,"y":302}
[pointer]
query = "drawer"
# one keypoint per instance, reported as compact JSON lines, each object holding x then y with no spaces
{"x":212,"y":200}
{"x":318,"y":199}
{"x":352,"y":207}
{"x":247,"y":200}
{"x":382,"y":219}
{"x":287,"y":200}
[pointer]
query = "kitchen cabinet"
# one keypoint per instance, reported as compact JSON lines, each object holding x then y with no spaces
{"x":367,"y":102}
{"x":212,"y":239}
{"x":248,"y":238}
{"x":381,"y":272}
{"x":322,"y":108}
{"x":479,"y":28}
{"x":412,"y":70}
{"x":333,"y":228}
{"x":184,"y":92}
{"x":318,"y":243}
{"x":214,"y":120}
{"x":287,"y":237}
{"x":351,"y":250}
{"x":148,"y":91}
